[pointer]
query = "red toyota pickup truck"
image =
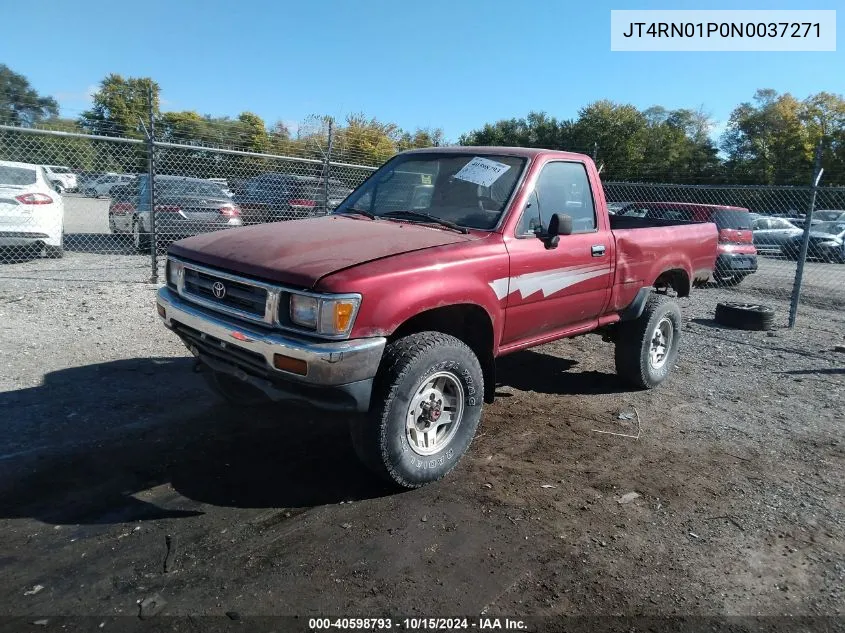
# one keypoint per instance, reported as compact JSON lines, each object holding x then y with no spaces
{"x":397,"y":305}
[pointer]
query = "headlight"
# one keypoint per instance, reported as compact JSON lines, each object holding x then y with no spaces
{"x":831,"y":244}
{"x":174,"y":271}
{"x":325,"y":315}
{"x":304,"y":310}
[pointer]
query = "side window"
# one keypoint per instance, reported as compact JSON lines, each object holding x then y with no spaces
{"x":761,"y":224}
{"x":562,"y":188}
{"x":529,"y":223}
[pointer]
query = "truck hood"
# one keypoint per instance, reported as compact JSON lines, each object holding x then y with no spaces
{"x":301,"y":252}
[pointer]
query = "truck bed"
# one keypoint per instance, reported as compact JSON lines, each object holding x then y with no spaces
{"x":647,"y":248}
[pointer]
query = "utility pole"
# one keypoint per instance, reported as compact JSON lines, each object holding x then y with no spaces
{"x":805,"y":243}
{"x":152,"y":171}
{"x":327,"y":171}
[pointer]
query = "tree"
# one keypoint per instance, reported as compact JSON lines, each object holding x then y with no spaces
{"x":365,"y":141}
{"x":20,"y":103}
{"x":619,"y":131}
{"x":767,"y":141}
{"x":538,"y":129}
{"x":421,"y":137}
{"x":120,"y":105}
{"x":824,"y":116}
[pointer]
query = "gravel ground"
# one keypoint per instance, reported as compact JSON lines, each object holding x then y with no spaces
{"x":112,"y":447}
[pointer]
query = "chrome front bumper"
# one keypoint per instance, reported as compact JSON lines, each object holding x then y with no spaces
{"x":339,"y":375}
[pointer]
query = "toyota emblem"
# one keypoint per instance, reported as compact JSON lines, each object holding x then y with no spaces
{"x":218,"y":289}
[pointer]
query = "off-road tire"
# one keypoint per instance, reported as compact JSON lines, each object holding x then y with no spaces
{"x":634,"y":339}
{"x":380,"y":438}
{"x":745,"y":316}
{"x":234,"y":391}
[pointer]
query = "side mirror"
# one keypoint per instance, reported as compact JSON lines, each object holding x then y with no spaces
{"x":558,"y":225}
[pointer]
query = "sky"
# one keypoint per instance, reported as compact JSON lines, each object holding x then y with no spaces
{"x":452,"y":64}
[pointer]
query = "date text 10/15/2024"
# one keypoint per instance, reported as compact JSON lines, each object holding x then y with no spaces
{"x":417,"y":624}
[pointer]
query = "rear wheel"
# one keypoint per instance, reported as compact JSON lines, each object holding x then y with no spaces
{"x":427,"y":402}
{"x":647,"y":348}
{"x":54,"y":252}
{"x":140,"y":239}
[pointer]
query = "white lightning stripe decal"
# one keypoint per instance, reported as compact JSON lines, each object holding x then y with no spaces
{"x":500,"y":287}
{"x":548,"y":281}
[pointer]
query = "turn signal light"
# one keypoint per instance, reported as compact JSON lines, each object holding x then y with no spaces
{"x":343,"y":311}
{"x":288,"y":363}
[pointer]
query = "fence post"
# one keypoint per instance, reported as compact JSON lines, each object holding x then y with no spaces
{"x":595,"y":150}
{"x":327,"y":171}
{"x":805,"y":242}
{"x":151,"y":145}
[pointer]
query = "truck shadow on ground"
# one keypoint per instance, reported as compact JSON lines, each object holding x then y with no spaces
{"x":90,"y":439}
{"x":536,"y":371}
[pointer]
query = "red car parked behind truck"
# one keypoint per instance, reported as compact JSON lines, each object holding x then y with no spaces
{"x":398,"y":304}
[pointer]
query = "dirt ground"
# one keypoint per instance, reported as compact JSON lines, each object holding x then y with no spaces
{"x":121,"y":478}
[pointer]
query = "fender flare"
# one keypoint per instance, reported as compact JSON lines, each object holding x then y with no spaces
{"x":635,"y":309}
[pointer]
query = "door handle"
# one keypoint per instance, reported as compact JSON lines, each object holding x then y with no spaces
{"x":598,"y":250}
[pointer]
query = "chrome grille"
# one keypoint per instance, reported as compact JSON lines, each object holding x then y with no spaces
{"x":238,"y":295}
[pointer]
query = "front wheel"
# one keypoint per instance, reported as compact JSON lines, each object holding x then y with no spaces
{"x":427,"y":401}
{"x":59,"y":188}
{"x":647,"y":348}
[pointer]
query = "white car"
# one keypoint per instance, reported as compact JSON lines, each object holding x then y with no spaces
{"x":63,"y":178}
{"x":102,"y":186}
{"x":32,"y":212}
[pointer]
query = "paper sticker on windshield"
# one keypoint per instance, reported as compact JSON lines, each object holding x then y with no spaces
{"x":425,"y":179}
{"x":482,"y":171}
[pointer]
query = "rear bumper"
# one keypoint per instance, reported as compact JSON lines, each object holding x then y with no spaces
{"x":29,"y":238}
{"x":736,"y":263}
{"x":339,"y":373}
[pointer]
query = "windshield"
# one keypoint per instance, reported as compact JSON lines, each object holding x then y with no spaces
{"x":59,"y":170}
{"x":16,"y":176}
{"x":466,"y":189}
{"x":189,"y":188}
{"x":834,"y":228}
{"x":737,"y":220}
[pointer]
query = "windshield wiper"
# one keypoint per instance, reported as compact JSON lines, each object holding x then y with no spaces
{"x":367,"y":214}
{"x":427,"y":217}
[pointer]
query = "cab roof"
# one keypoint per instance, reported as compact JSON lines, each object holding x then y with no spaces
{"x":524,"y":152}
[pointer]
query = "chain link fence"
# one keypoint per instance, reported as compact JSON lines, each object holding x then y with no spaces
{"x":83,"y":197}
{"x":775,"y":226}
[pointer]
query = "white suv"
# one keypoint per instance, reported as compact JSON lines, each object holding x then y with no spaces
{"x":62,"y":178}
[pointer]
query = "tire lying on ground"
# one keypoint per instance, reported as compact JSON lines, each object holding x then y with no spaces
{"x":745,"y":316}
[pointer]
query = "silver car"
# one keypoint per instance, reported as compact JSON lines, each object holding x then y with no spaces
{"x":770,"y":234}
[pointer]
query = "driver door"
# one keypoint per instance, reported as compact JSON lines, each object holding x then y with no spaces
{"x":564,"y":288}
